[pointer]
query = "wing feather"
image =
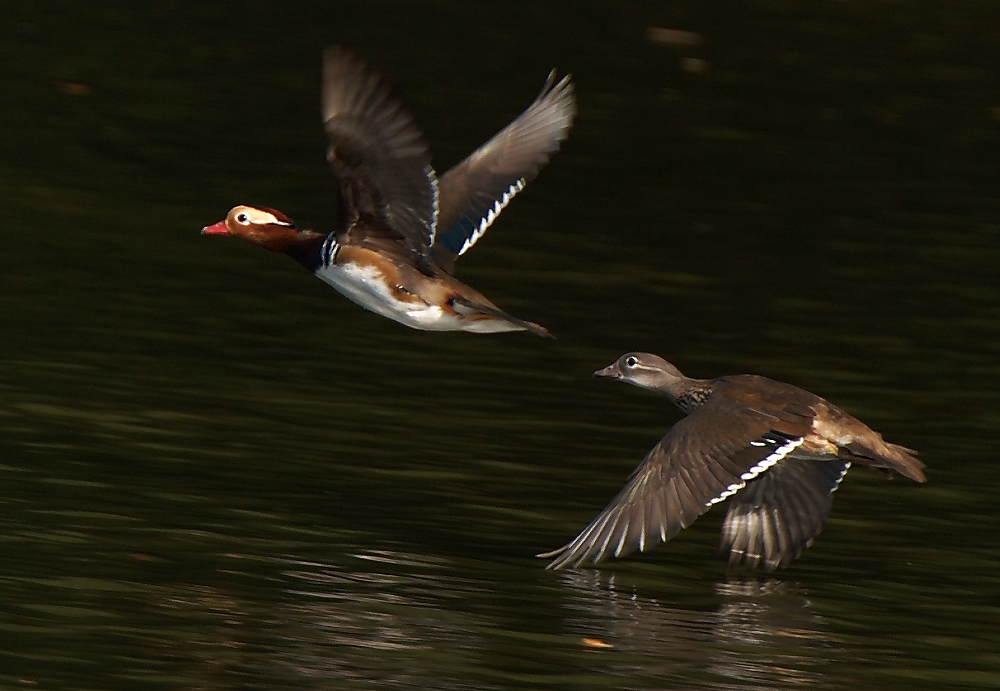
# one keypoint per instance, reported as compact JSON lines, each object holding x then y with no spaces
{"x":387,"y":185}
{"x":680,"y":479}
{"x":475,"y":191}
{"x":779,"y":514}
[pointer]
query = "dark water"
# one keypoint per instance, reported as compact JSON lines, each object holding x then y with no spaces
{"x":218,"y":473}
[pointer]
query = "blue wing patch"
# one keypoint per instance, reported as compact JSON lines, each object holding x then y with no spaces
{"x":467,"y":230}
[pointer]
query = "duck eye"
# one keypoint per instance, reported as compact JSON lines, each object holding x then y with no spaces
{"x":242,"y":218}
{"x":631,"y":361}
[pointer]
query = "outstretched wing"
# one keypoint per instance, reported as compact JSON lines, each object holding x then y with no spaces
{"x":475,"y":191}
{"x":705,"y":458}
{"x":779,"y":514}
{"x":387,"y":186}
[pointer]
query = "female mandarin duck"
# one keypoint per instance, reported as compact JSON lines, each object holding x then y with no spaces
{"x":778,"y":451}
{"x":400,"y":227}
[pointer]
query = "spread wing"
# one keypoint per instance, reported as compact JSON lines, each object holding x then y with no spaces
{"x":475,"y":191}
{"x":705,"y":458}
{"x":779,"y":514}
{"x":387,"y":186}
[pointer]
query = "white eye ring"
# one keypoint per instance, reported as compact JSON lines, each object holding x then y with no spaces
{"x":631,"y":361}
{"x":242,"y":218}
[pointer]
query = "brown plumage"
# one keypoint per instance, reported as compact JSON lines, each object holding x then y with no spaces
{"x":777,"y":450}
{"x":400,"y":228}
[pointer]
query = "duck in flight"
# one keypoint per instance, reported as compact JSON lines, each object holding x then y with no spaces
{"x":775,"y":451}
{"x":399,"y":226}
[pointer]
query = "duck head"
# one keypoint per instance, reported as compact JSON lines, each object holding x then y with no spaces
{"x":645,"y":370}
{"x":257,"y":225}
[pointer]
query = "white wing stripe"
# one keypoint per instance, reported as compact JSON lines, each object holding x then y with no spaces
{"x":728,"y":492}
{"x":843,"y":474}
{"x":432,"y":176}
{"x":756,"y":470}
{"x":487,"y":220}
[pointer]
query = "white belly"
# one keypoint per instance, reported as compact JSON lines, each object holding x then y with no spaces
{"x":366,"y":287}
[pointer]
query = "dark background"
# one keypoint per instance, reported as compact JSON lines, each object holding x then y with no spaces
{"x":216,"y":472}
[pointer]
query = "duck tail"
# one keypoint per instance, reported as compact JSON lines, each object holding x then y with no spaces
{"x":468,"y":308}
{"x":874,"y":451}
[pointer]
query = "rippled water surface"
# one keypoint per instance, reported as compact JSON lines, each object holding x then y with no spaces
{"x":218,"y":473}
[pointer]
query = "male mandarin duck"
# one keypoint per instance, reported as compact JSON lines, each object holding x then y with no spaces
{"x":400,"y":227}
{"x":776,"y":451}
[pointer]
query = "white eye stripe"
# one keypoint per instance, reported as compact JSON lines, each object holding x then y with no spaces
{"x":245,"y":218}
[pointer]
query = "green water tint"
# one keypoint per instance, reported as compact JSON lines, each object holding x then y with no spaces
{"x":219,"y":473}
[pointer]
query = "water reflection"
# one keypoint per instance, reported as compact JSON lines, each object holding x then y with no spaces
{"x":769,"y":634}
{"x":380,"y":621}
{"x":761,"y":633}
{"x":212,"y":642}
